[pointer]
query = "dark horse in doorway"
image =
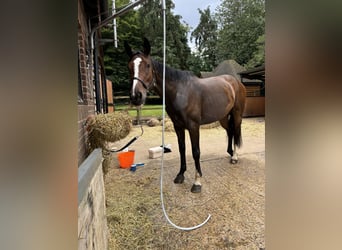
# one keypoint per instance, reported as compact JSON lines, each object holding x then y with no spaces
{"x":190,"y":102}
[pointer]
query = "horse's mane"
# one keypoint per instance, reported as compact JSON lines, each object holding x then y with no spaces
{"x":171,"y":73}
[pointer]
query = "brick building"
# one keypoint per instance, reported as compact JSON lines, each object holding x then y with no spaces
{"x":94,"y":90}
{"x":91,"y":76}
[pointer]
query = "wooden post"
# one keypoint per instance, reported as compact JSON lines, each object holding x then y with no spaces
{"x":138,"y":114}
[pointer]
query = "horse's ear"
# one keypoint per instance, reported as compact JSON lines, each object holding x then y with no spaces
{"x":147,"y":47}
{"x":128,"y":49}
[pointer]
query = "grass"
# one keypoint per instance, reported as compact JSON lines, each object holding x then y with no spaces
{"x":146,"y":110}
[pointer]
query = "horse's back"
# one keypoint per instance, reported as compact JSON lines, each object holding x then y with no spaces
{"x":238,"y":87}
{"x":218,"y":97}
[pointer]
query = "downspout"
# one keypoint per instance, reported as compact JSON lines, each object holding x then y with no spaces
{"x":97,"y":82}
{"x":104,"y":90}
{"x":124,"y":10}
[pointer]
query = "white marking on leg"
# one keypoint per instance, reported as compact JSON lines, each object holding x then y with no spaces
{"x":235,"y":155}
{"x":136,"y":62}
{"x":197,"y":179}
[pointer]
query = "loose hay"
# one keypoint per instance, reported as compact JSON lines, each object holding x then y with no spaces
{"x":105,"y":128}
{"x":254,"y":126}
{"x":135,"y":219}
{"x":129,"y":211}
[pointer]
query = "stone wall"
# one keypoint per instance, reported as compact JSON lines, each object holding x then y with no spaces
{"x":92,"y":221}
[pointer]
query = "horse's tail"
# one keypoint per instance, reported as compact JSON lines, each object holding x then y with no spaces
{"x":235,"y":127}
{"x":236,"y":114}
{"x":240,"y":101}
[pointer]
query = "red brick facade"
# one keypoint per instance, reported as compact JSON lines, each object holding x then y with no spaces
{"x":86,"y":86}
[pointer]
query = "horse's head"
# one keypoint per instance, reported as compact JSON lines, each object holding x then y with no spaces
{"x":141,"y":73}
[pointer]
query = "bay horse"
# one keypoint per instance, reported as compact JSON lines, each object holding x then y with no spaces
{"x":189,"y":102}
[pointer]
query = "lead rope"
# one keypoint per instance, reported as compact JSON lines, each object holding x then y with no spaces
{"x":130,"y":142}
{"x":163,"y":130}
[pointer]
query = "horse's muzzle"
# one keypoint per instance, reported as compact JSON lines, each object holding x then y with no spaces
{"x":137,"y":99}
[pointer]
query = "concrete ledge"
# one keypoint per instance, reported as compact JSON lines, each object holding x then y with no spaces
{"x":92,"y":220}
{"x":86,"y":172}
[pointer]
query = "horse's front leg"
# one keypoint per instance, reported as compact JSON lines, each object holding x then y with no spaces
{"x":181,"y":146}
{"x":194,"y":137}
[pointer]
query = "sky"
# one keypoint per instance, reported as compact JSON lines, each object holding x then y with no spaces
{"x":188,"y":10}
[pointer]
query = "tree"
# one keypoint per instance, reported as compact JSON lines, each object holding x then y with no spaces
{"x":205,"y":35}
{"x":147,"y":22}
{"x":151,"y":19}
{"x":115,"y":59}
{"x":259,"y":55}
{"x":196,"y":64}
{"x":241,"y":23}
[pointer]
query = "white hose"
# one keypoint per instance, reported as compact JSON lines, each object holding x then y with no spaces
{"x":163,"y":130}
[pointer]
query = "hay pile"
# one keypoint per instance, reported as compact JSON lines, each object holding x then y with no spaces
{"x":168,"y":125}
{"x":104,"y":128}
{"x":109,"y":127}
{"x":153,"y":122}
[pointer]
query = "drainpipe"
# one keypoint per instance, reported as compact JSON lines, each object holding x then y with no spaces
{"x":104,"y":92}
{"x":97,"y":82}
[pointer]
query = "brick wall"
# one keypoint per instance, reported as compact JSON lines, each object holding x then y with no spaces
{"x":83,"y":112}
{"x":88,"y":15}
{"x":86,"y":102}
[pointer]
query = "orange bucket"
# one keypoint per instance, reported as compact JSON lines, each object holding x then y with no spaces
{"x":126,"y":159}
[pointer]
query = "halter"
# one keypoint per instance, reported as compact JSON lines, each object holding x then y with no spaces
{"x":142,"y":82}
{"x":152,"y":83}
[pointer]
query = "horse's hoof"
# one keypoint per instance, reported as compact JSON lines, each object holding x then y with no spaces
{"x":233,"y":161}
{"x":179,"y":179}
{"x":196,"y":188}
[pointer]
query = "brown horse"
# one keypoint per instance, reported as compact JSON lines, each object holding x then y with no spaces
{"x":190,"y":102}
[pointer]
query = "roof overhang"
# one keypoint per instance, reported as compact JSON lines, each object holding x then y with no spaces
{"x":257,"y":73}
{"x":95,"y":7}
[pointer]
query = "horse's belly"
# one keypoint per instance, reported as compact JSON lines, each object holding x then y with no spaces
{"x":215,"y":113}
{"x":217,"y":102}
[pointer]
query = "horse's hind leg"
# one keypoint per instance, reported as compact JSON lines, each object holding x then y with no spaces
{"x":228,"y":124}
{"x":236,"y":125}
